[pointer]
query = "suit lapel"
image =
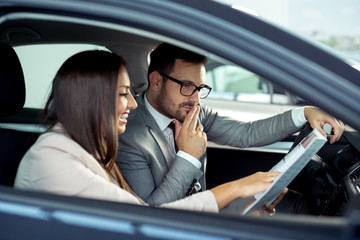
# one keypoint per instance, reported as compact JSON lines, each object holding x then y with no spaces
{"x":155,"y":132}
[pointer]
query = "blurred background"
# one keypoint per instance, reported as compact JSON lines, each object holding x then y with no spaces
{"x":331,"y":22}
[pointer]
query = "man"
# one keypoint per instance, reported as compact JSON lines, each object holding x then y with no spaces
{"x":160,"y":170}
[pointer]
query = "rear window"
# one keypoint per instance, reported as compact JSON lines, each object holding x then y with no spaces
{"x":40,"y":64}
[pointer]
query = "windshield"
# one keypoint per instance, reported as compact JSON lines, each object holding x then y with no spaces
{"x":330,"y":23}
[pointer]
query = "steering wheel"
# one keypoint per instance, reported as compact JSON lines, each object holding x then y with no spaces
{"x":321,"y":177}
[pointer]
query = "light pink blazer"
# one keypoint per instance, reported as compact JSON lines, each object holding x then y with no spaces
{"x":57,"y":164}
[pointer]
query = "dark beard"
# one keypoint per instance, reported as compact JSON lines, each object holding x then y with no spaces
{"x":178,"y":114}
{"x":165,"y":108}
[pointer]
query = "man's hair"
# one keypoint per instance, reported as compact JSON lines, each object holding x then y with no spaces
{"x":84,"y":100}
{"x":162,"y":59}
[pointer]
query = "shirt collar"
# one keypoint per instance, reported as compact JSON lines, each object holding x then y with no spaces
{"x":160,"y":119}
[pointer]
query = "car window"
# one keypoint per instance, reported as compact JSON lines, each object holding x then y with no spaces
{"x":40,"y":64}
{"x":235,"y":83}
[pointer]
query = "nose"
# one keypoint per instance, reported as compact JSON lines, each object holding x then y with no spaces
{"x":132,"y":104}
{"x":195,"y":97}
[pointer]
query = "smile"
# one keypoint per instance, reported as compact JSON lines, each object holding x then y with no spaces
{"x":123,"y":117}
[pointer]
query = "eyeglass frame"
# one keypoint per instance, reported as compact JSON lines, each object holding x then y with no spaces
{"x":181,"y":83}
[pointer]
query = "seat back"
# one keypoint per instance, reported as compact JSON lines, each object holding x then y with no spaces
{"x":13,"y":143}
{"x":12,"y":83}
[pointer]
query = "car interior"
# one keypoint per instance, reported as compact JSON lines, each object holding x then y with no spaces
{"x":334,"y":174}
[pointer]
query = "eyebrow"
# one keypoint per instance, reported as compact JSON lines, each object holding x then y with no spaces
{"x":125,"y":86}
{"x":188,"y":81}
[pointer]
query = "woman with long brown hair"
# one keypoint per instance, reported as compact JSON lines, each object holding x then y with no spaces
{"x":86,"y":110}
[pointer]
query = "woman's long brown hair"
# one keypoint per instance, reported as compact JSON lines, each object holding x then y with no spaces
{"x":84,"y":99}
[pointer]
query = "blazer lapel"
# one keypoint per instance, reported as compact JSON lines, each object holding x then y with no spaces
{"x":155,"y":132}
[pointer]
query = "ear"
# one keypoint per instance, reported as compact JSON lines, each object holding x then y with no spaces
{"x":156,"y":81}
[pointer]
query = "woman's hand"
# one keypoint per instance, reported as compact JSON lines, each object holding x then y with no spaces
{"x":255,"y":183}
{"x":244,"y":188}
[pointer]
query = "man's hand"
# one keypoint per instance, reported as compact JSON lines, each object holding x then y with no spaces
{"x":189,"y":137}
{"x":317,"y":118}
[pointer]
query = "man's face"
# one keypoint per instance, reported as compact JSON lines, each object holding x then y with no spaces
{"x":170,"y":101}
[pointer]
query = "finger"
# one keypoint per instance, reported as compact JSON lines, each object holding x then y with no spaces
{"x":270,"y":208}
{"x":334,"y":138}
{"x":204,"y":136}
{"x":193,"y":122}
{"x":276,"y":173}
{"x":189,"y":117}
{"x":342,"y":123}
{"x":273,"y":175}
{"x":270,"y":178}
{"x":322,"y":132}
{"x":318,"y":126}
{"x":199,"y":128}
{"x":315,"y":117}
{"x":200,"y":131}
{"x":338,"y":129}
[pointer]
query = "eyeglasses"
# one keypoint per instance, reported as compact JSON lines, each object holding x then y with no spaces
{"x":188,"y":89}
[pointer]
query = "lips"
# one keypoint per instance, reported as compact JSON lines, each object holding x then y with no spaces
{"x":188,"y":105}
{"x":188,"y":108}
{"x":123,"y":117}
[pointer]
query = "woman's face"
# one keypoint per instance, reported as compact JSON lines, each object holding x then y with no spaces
{"x":125,"y":100}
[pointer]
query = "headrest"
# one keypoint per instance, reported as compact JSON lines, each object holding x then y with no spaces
{"x":12,"y":84}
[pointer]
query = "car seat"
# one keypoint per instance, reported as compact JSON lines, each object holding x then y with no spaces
{"x":13,"y":143}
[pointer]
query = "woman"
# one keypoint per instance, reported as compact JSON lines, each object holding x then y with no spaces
{"x":87,"y":109}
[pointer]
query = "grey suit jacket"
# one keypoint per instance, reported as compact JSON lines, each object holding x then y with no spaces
{"x":143,"y":150}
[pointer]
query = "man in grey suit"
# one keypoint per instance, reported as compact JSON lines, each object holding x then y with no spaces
{"x":160,"y":169}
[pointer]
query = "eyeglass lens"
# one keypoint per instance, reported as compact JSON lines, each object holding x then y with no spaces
{"x":189,"y":89}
